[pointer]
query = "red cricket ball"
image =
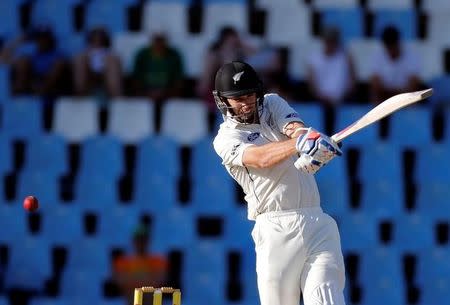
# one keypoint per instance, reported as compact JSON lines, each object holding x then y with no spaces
{"x":30,"y":203}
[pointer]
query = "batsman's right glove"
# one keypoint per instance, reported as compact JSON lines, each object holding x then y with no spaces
{"x":316,"y":150}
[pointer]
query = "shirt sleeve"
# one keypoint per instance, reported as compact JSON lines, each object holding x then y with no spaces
{"x":230,"y":147}
{"x":283,"y":114}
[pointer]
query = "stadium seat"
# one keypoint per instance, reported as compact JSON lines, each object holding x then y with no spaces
{"x":383,"y":197}
{"x":111,"y":15}
{"x":381,"y":277}
{"x":380,"y":162}
{"x":299,"y":54}
{"x":358,"y":232}
{"x":238,"y":229}
{"x":433,"y":268}
{"x":390,"y":4}
{"x":219,"y":14}
{"x":87,"y":283}
{"x":438,"y":20}
{"x":155,"y":19}
{"x":62,"y":224}
{"x":13,"y":218}
{"x":19,"y":110}
{"x":403,"y":122}
{"x":413,"y":232}
{"x":433,"y":198}
{"x":436,"y":6}
{"x":403,"y":19}
{"x":311,"y":114}
{"x":46,"y":153}
{"x":155,"y":192}
{"x":431,"y":59}
{"x":76,"y":118}
{"x":190,"y":116}
{"x":205,"y":262}
{"x":10,"y":16}
{"x":432,"y":163}
{"x":128,"y":218}
{"x":441,"y":93}
{"x":102,"y":155}
{"x":4,"y":83}
{"x":47,"y":301}
{"x":43,"y":185}
{"x":173,"y":229}
{"x":58,"y":14}
{"x":89,"y":253}
{"x":158,"y":154}
{"x":283,"y":18}
{"x":131,"y":119}
{"x":346,"y":115}
{"x":25,"y":270}
{"x":96,"y":192}
{"x":126,"y":45}
{"x":193,"y":48}
{"x":327,"y":4}
{"x":6,"y":156}
{"x":349,"y":21}
{"x":362,"y":51}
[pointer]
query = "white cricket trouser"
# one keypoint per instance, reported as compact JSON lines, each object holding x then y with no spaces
{"x":299,"y":251}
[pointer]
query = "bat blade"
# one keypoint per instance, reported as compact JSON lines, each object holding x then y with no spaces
{"x":382,"y":110}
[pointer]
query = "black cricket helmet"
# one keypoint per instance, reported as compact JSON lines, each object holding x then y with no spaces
{"x":236,"y":79}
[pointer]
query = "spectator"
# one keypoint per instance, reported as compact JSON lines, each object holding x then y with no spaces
{"x":331,"y":75}
{"x":395,"y":68}
{"x":38,"y":66}
{"x":97,"y":69}
{"x":228,"y":47}
{"x":140,"y":268}
{"x":158,"y":70}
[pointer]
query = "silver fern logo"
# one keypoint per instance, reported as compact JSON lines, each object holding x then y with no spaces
{"x":237,"y":77}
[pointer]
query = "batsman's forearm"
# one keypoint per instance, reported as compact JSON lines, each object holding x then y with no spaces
{"x":270,"y":154}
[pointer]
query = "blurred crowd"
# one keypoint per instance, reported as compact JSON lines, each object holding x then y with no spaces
{"x":40,"y":67}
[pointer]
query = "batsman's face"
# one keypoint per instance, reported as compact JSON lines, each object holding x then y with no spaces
{"x":243,"y":106}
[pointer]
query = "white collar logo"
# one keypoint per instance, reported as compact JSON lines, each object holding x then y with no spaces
{"x":237,"y":77}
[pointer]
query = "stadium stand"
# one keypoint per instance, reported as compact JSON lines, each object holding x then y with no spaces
{"x":389,"y":194}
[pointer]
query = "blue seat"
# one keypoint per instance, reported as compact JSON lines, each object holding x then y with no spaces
{"x":10,"y":16}
{"x":96,"y":192}
{"x":102,"y":155}
{"x":155,"y":193}
{"x":433,"y":268}
{"x":89,"y":253}
{"x":403,"y":122}
{"x":6,"y":156}
{"x":58,"y":14}
{"x":205,"y":263}
{"x":381,"y":275}
{"x":380,"y":161}
{"x":20,"y":110}
{"x":358,"y":231}
{"x":432,"y":163}
{"x":47,"y":153}
{"x":404,"y":20}
{"x":62,"y":224}
{"x":43,"y":185}
{"x":47,"y":301}
{"x":413,"y":232}
{"x":346,"y":115}
{"x":248,"y":275}
{"x":25,"y":270}
{"x":4,"y":83}
{"x":13,"y":218}
{"x":127,"y":216}
{"x":87,"y":283}
{"x":383,"y":198}
{"x":111,"y":15}
{"x":158,"y":154}
{"x":311,"y":114}
{"x":441,"y":92}
{"x":238,"y":229}
{"x":433,"y":198}
{"x":349,"y":21}
{"x":178,"y":223}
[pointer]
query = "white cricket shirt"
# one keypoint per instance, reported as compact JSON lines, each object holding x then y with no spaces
{"x":279,"y":188}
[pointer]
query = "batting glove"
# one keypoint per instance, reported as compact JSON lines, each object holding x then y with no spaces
{"x":316,"y":150}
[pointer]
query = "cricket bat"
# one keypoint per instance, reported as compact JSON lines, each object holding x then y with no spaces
{"x":387,"y":107}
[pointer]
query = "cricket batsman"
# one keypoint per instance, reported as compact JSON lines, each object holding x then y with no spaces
{"x":273,"y":155}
